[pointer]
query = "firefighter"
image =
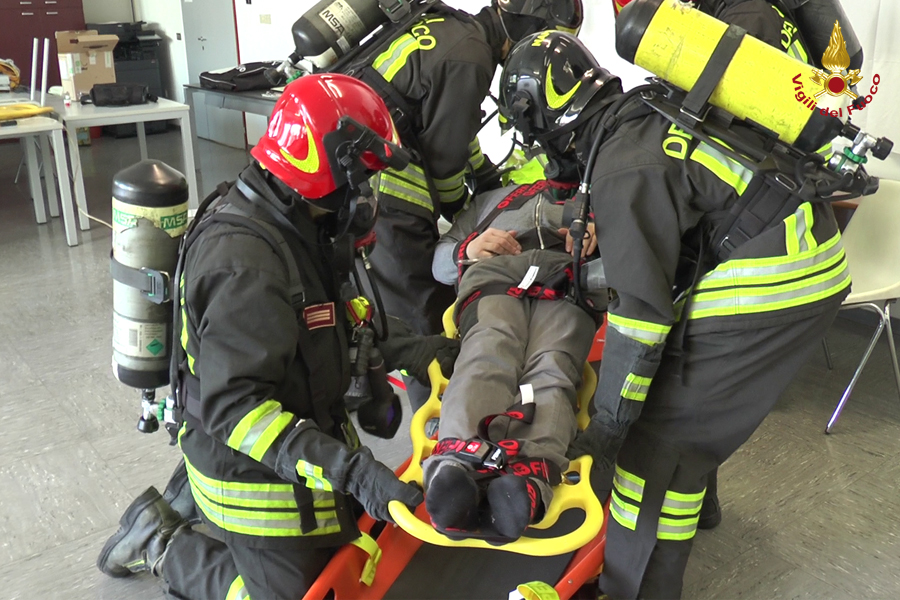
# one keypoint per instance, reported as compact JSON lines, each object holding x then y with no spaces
{"x":771,"y":22}
{"x":273,"y":463}
{"x":442,"y":69}
{"x":700,"y":348}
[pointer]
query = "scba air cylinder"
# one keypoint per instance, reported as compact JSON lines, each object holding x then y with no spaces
{"x":149,"y":217}
{"x":675,"y":42}
{"x":328,"y":30}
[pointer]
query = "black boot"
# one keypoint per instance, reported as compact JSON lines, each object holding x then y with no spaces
{"x":515,"y":503}
{"x":179,"y":496}
{"x":452,"y":497}
{"x":143,"y":537}
{"x":710,"y":511}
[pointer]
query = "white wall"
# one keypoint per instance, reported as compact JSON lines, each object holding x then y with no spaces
{"x":264,"y":33}
{"x":164,"y":16}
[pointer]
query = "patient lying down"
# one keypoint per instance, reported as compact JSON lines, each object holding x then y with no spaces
{"x":508,"y":414}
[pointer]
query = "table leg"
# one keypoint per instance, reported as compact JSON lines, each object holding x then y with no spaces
{"x":187,"y":139}
{"x":62,"y":175}
{"x":78,"y":179}
{"x":192,"y":112}
{"x":34,"y":181}
{"x":142,"y":139}
{"x":47,"y":168}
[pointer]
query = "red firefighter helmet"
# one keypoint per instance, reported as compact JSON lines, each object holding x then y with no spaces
{"x":293,"y":148}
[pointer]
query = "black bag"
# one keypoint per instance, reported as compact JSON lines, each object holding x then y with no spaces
{"x":119,"y":94}
{"x":243,"y":78}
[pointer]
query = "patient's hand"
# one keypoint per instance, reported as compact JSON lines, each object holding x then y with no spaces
{"x":590,"y":241}
{"x":493,"y":242}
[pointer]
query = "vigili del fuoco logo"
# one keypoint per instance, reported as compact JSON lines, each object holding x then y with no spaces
{"x":835,"y":80}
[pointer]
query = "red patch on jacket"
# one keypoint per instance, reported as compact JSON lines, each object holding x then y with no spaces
{"x":319,"y":315}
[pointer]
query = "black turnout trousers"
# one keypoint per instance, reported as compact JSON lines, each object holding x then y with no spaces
{"x":694,"y":419}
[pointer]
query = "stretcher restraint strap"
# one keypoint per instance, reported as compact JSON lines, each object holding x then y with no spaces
{"x":696,"y":101}
{"x":554,"y":288}
{"x":370,"y":547}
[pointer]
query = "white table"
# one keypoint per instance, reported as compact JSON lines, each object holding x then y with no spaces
{"x":87,"y":115}
{"x":40,"y":127}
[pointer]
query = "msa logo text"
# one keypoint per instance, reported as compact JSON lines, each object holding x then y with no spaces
{"x":332,"y":20}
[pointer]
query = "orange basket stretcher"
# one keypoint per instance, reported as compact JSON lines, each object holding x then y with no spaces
{"x":572,"y":533}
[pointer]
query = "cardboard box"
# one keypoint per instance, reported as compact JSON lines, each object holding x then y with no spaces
{"x":85,"y":59}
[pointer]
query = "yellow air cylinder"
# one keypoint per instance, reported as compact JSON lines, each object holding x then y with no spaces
{"x":674,"y":41}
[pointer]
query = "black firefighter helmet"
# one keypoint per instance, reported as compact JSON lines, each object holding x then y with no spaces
{"x":525,"y":17}
{"x":548,"y":81}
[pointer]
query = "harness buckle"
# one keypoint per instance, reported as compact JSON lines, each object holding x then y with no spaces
{"x":157,"y":289}
{"x":481,"y":453}
{"x":395,"y":10}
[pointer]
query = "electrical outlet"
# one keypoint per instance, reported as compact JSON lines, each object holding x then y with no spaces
{"x":265,"y":19}
{"x":178,"y":36}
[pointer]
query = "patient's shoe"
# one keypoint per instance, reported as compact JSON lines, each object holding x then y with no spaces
{"x":515,"y":503}
{"x":452,"y":497}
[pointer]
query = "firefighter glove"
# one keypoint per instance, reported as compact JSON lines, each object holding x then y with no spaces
{"x":375,"y":485}
{"x":598,"y":441}
{"x":404,"y":349}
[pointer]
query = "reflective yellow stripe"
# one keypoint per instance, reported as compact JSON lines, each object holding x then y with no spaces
{"x":758,"y":271}
{"x":222,"y":505}
{"x":677,"y":529}
{"x":636,"y":387}
{"x":409,"y":184}
{"x":237,"y":591}
{"x":392,"y":49}
{"x":683,"y":504}
{"x":250,"y":495}
{"x":371,"y":547}
{"x":400,"y":189}
{"x":184,"y":328}
{"x":645,"y":332}
{"x":624,"y":513}
{"x":389,"y":62}
{"x":537,"y":590}
{"x":794,"y":49}
{"x":797,"y":51}
{"x":315,"y":478}
{"x":452,"y":187}
{"x":791,"y":242}
{"x":262,"y":445}
{"x":751,"y":300}
{"x":727,"y":169}
{"x":476,"y":157}
{"x":809,"y":240}
{"x":628,"y":484}
{"x":256,"y":431}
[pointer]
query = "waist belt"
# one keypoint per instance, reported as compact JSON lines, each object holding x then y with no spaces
{"x":556,"y":287}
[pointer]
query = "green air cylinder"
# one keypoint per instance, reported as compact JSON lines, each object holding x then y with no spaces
{"x":331,"y":28}
{"x":149,"y":208}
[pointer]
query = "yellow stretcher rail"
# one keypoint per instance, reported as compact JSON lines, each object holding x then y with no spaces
{"x":574,"y":492}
